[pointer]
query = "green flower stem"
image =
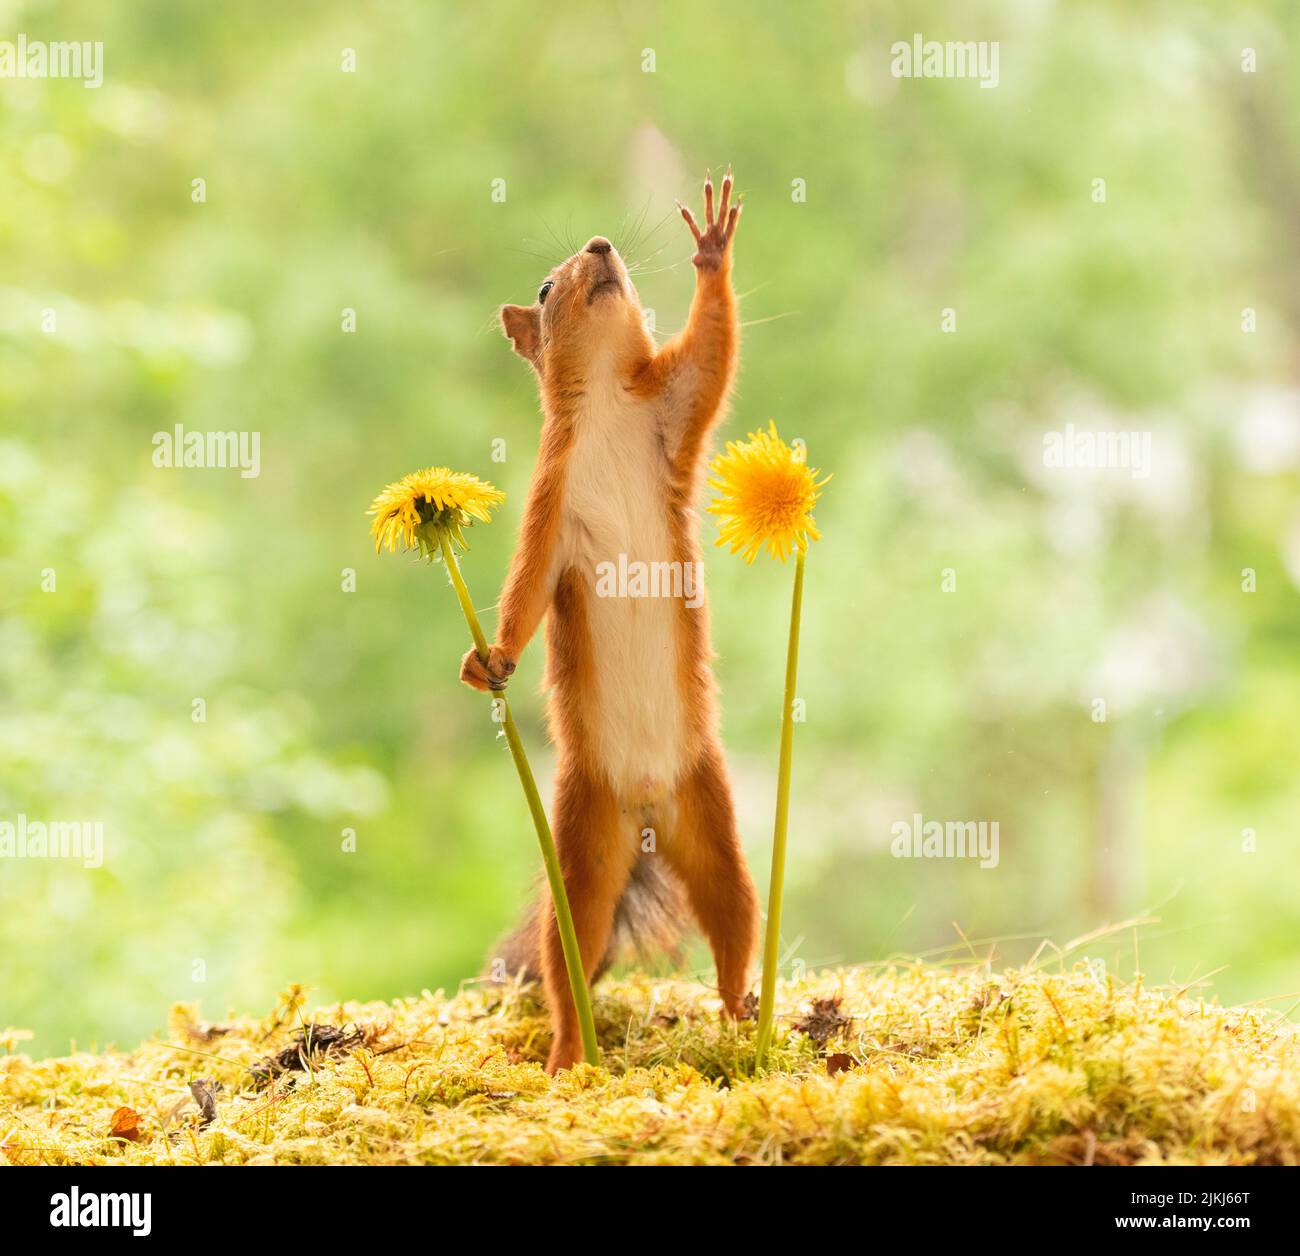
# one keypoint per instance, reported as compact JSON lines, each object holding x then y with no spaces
{"x":772,"y":939}
{"x":551,"y":860}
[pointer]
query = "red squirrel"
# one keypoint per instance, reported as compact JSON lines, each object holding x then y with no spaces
{"x":632,"y":707}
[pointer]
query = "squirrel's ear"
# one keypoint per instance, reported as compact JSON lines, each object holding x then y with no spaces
{"x":523,"y":326}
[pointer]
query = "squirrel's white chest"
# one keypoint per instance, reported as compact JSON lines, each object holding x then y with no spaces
{"x":614,"y":517}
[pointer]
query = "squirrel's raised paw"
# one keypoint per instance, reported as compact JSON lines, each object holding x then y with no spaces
{"x":712,"y":244}
{"x":491,"y":676}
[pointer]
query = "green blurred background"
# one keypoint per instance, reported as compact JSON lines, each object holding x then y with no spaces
{"x":330,"y":710}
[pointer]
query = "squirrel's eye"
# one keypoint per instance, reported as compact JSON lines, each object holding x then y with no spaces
{"x":543,"y":290}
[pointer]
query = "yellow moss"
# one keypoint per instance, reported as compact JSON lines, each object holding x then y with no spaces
{"x":949,"y":1067}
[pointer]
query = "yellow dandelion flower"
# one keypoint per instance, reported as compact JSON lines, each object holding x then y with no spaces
{"x":419,"y":507}
{"x":768,"y":493}
{"x":426,"y":510}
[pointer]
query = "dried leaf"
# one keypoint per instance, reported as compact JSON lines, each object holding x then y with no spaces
{"x":824,"y":1021}
{"x":125,"y":1123}
{"x":312,"y":1043}
{"x":839,"y":1063}
{"x":204,"y":1090}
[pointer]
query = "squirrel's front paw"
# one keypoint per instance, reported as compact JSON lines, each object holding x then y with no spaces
{"x":491,"y":675}
{"x":713,"y":243}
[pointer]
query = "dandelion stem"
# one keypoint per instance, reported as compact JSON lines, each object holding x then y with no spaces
{"x":550,"y":859}
{"x":772,"y":939}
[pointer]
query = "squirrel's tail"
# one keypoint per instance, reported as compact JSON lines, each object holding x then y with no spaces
{"x":648,"y":919}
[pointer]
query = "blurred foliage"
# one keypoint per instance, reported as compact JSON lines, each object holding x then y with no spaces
{"x":329,"y":710}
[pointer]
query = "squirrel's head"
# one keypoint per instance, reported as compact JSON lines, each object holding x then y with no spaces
{"x":586,"y":308}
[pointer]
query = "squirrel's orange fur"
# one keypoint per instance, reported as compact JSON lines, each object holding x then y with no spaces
{"x":632,"y":709}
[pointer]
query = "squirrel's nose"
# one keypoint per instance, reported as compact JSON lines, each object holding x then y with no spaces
{"x":598,"y":244}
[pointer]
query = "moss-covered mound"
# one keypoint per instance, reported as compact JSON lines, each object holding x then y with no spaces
{"x":906,"y":1065}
